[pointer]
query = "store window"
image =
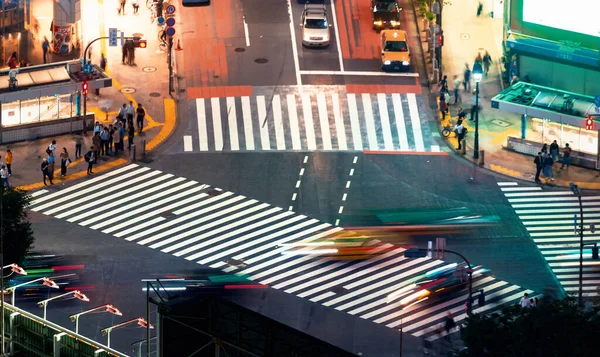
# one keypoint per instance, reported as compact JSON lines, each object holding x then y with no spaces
{"x":579,"y":139}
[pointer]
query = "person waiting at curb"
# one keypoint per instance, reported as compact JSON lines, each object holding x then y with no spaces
{"x":566,"y":157}
{"x":539,"y":165}
{"x":90,"y":158}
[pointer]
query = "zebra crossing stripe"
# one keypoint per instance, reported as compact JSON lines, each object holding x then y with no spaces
{"x":294,"y":127}
{"x":413,"y":108}
{"x":202,"y":130}
{"x":370,"y":122}
{"x":262,"y":122}
{"x":238,"y":234}
{"x":278,"y":122}
{"x":339,"y":122}
{"x":324,"y":121}
{"x":217,"y":128}
{"x":385,"y":122}
{"x":232,"y":120}
{"x":354,"y":123}
{"x":248,"y":127}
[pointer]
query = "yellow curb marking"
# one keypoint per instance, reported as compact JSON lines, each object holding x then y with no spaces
{"x":78,"y":175}
{"x":169,"y":126}
{"x":505,"y":171}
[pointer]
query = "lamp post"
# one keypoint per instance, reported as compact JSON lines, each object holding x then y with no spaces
{"x":109,"y":308}
{"x":45,"y":281}
{"x":14,"y":269}
{"x":139,"y":320}
{"x":577,"y":192}
{"x":477,"y":75}
{"x":76,"y":293}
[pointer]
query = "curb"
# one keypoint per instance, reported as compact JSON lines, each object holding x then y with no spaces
{"x":423,"y":58}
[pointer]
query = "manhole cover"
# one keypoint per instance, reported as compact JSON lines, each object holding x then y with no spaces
{"x":166,"y":214}
{"x":501,"y":123}
{"x":465,"y":36}
{"x":155,"y":94}
{"x":239,"y":49}
{"x":127,"y":90}
{"x":261,"y":60}
{"x":149,"y":69}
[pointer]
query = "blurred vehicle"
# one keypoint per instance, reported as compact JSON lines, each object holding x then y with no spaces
{"x":315,"y":27}
{"x":200,"y":283}
{"x":386,"y":14}
{"x":194,"y":3}
{"x":395,"y":55}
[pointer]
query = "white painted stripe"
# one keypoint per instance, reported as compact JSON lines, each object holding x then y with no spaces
{"x":354,"y":123}
{"x":435,"y":148}
{"x":217,"y":126}
{"x":574,"y":263}
{"x":514,"y":189}
{"x":563,"y":204}
{"x":324,"y":121}
{"x":369,"y":121}
{"x":247,"y":117}
{"x":100,"y":195}
{"x":551,"y":199}
{"x":263,"y":123}
{"x":400,"y":124}
{"x":358,"y":73}
{"x":105,"y":211}
{"x":386,"y":129}
{"x":183,"y":218}
{"x":278,"y":122}
{"x":37,"y":193}
{"x":155,"y":209}
{"x":338,"y":116}
{"x":76,"y":188}
{"x":202,"y":130}
{"x":507,"y":184}
{"x":576,"y":288}
{"x":308,"y":122}
{"x":293,"y":117}
{"x":261,"y":240}
{"x":415,"y":120}
{"x":549,"y":218}
{"x":586,"y":211}
{"x":245,"y":231}
{"x":234,"y":140}
{"x":187,"y":143}
{"x":310,"y":276}
{"x":562,"y":239}
{"x":539,"y":193}
{"x":285,"y":272}
{"x":94,"y":189}
{"x":117,"y":198}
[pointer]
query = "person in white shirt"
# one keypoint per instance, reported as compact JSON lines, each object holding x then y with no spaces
{"x":4,"y":177}
{"x":460,"y":133}
{"x":52,"y":146}
{"x":524,"y":301}
{"x":130,"y":110}
{"x":456,"y":89}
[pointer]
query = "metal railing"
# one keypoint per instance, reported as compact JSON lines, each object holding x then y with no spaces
{"x":31,"y":335}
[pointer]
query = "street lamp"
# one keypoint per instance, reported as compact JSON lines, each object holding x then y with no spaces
{"x":109,"y":308}
{"x":46,"y":281}
{"x":477,"y":75}
{"x":15,"y":269}
{"x":577,"y":192}
{"x":76,"y":293}
{"x":139,"y":320}
{"x":422,"y":253}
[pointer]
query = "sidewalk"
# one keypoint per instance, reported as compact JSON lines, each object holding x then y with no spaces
{"x":465,"y":35}
{"x":145,"y":83}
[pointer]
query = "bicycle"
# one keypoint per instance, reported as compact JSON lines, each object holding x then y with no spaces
{"x":163,"y":44}
{"x":449,"y":128}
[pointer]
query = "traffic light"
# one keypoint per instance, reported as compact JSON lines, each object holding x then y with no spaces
{"x":589,"y":123}
{"x":85,"y":88}
{"x":139,"y":43}
{"x":440,"y":40}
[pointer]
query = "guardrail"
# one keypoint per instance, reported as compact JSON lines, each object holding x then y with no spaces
{"x":31,"y":335}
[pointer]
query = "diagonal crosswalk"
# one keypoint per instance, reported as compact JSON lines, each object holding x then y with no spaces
{"x":550,"y":217}
{"x":241,"y":235}
{"x":314,"y":121}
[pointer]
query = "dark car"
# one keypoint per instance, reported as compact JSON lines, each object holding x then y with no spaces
{"x":386,"y":14}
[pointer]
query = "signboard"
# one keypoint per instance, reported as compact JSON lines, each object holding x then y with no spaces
{"x":61,"y":39}
{"x":171,"y":22}
{"x":112,"y":37}
{"x":170,"y":9}
{"x":170,"y":31}
{"x":160,"y":20}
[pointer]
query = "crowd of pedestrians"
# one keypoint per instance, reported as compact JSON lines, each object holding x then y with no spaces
{"x":548,"y":157}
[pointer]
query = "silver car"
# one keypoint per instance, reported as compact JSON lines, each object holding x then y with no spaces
{"x":315,"y":27}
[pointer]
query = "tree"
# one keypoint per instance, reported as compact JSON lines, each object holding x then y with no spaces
{"x":556,"y":328}
{"x":15,"y":229}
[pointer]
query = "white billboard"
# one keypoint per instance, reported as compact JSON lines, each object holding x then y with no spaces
{"x":581,"y":16}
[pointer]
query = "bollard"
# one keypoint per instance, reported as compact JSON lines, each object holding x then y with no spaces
{"x":481,"y":157}
{"x":463,"y":145}
{"x":132,"y":153}
{"x":143,"y":148}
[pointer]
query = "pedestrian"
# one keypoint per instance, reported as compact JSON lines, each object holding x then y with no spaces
{"x":141,"y":114}
{"x":52,"y":146}
{"x":467,"y":78}
{"x":449,"y":325}
{"x":536,"y":301}
{"x":130,"y":135}
{"x":456,"y":89}
{"x":566,"y":157}
{"x":547,"y":169}
{"x":4,"y":177}
{"x":532,"y":303}
{"x":103,"y":62}
{"x":487,"y":61}
{"x":539,"y":165}
{"x":12,"y":61}
{"x":554,"y":150}
{"x":45,"y":48}
{"x":97,"y":143}
{"x":459,"y":128}
{"x":544,"y":150}
{"x":45,"y":167}
{"x":524,"y":302}
{"x":122,"y":137}
{"x":90,"y":158}
{"x":136,"y":6}
{"x":474,"y":107}
{"x":104,"y":137}
{"x":121,"y":8}
{"x":461,"y":114}
{"x":65,"y":160}
{"x":130,"y":110}
{"x":117,"y":139}
{"x":97,"y":128}
{"x":443,"y":105}
{"x":78,"y":143}
{"x":9,"y":158}
{"x":444,"y":84}
{"x":51,"y":160}
{"x":111,"y":132}
{"x":122,"y":115}
{"x":479,"y":9}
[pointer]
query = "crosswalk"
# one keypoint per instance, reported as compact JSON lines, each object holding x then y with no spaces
{"x":310,"y":121}
{"x":241,"y":235}
{"x":550,"y":217}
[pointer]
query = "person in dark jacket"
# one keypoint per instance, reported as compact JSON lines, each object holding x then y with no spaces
{"x":539,"y":164}
{"x":45,"y":167}
{"x":554,"y":150}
